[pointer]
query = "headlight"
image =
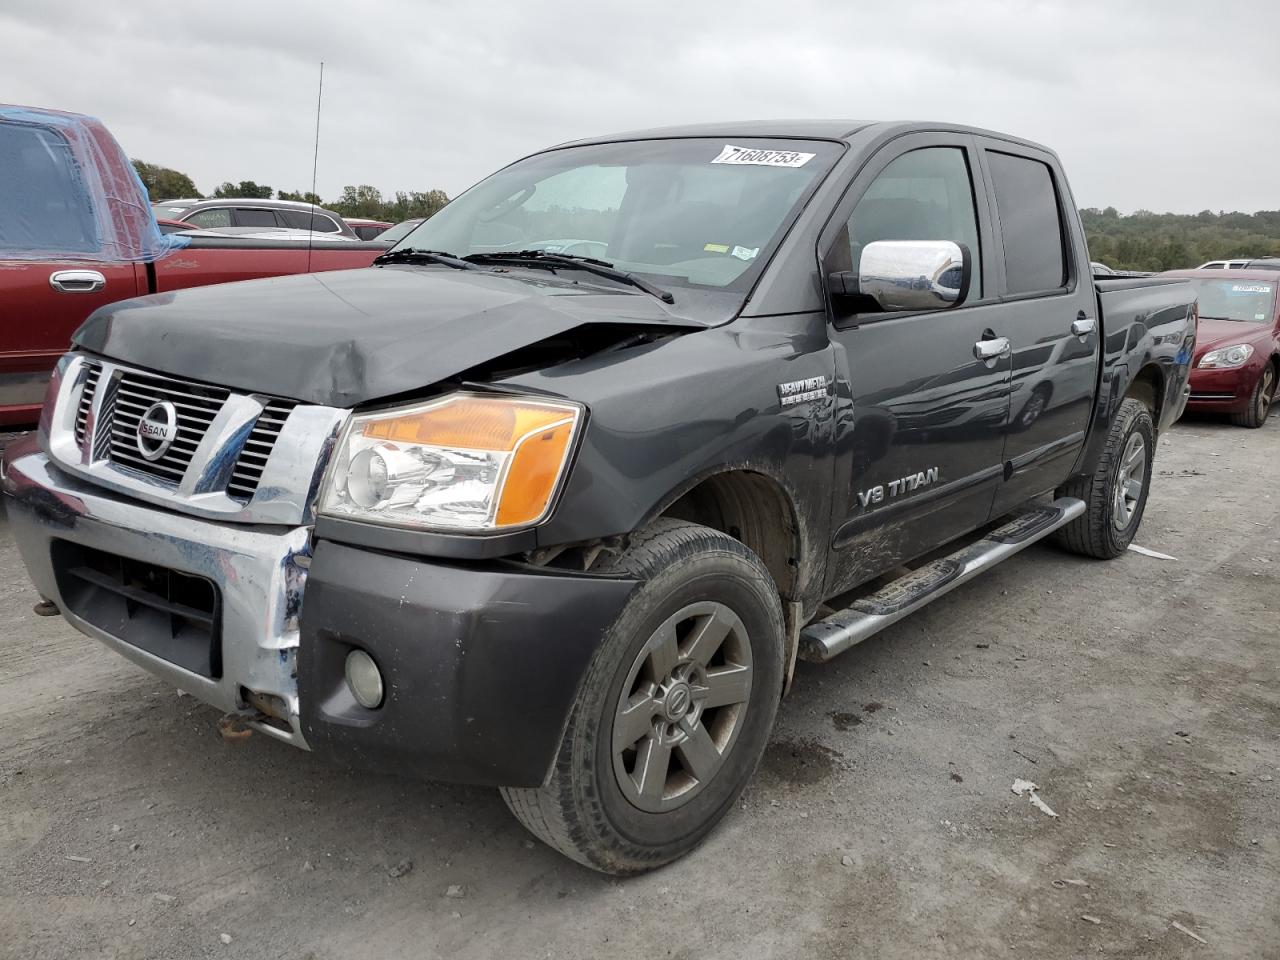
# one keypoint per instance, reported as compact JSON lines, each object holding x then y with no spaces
{"x":1225,"y":357}
{"x":467,"y":462}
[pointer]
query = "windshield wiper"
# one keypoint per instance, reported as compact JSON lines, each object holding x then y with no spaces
{"x":412,"y":254}
{"x":601,"y":268}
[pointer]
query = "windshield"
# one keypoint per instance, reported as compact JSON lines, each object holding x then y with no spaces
{"x":165,"y":211}
{"x":1246,"y":300}
{"x":693,"y":211}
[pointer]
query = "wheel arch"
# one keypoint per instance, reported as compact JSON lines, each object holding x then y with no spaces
{"x":754,"y":508}
{"x":1148,"y":385}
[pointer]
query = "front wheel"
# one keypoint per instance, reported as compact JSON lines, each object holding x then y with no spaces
{"x":1259,"y":401}
{"x":675,"y":709}
{"x":1115,"y":495}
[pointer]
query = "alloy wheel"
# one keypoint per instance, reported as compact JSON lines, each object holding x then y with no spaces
{"x":682,"y":707}
{"x":1129,"y":481}
{"x":1266,"y":392}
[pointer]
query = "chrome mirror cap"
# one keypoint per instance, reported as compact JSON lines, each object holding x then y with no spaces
{"x":914,"y":274}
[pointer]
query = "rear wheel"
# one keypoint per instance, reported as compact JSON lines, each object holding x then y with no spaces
{"x":675,"y":710}
{"x":1115,"y":495}
{"x":1260,"y":401}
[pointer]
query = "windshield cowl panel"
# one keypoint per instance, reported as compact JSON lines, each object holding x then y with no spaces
{"x":682,"y":215}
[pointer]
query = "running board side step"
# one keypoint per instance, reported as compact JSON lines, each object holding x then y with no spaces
{"x":867,"y":616}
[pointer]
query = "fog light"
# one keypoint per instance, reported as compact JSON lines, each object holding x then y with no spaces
{"x":364,"y":679}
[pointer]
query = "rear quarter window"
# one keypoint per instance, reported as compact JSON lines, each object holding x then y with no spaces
{"x":1030,"y":224}
{"x":302,"y":220}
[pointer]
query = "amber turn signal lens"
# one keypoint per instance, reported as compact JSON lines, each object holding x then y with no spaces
{"x":532,"y":475}
{"x":470,"y":423}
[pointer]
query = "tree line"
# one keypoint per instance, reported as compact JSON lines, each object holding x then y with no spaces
{"x":1137,"y":241}
{"x":1170,"y":241}
{"x":163,"y":183}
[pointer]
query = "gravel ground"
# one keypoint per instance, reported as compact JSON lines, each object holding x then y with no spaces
{"x":1140,"y":695}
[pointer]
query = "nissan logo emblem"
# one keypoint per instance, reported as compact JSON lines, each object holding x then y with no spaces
{"x":157,"y":430}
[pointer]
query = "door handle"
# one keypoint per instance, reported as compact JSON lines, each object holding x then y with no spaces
{"x":77,"y":281}
{"x":992,"y":349}
{"x":1082,"y":326}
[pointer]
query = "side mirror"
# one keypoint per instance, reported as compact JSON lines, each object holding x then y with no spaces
{"x":908,"y":275}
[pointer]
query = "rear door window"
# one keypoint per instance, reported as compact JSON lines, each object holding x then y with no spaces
{"x":43,"y":202}
{"x":1030,"y":224}
{"x":211,"y":218}
{"x":255,"y":217}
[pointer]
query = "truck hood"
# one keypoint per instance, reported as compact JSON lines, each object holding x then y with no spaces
{"x":345,"y":337}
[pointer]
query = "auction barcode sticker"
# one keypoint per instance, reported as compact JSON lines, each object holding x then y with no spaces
{"x":763,"y":158}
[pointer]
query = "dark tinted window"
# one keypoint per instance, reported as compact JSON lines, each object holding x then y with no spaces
{"x":302,"y":220}
{"x":922,"y":195}
{"x":255,"y":217}
{"x":43,"y":203}
{"x":1027,"y":206}
{"x":365,"y":232}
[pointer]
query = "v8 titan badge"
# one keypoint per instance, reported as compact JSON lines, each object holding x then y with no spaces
{"x":803,"y":391}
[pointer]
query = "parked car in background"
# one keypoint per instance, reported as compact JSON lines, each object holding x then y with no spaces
{"x":497,"y":513}
{"x":1236,"y":364}
{"x":1101,"y":269}
{"x":1224,"y":265}
{"x":66,"y":250}
{"x":366,"y":229}
{"x":271,"y":233}
{"x":393,"y":235}
{"x":263,"y":214}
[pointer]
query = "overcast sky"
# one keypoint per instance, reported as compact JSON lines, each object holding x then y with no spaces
{"x":1163,"y":104}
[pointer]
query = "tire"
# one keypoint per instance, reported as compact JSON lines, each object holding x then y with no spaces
{"x":598,"y":807}
{"x":1109,"y":522}
{"x":1259,"y":401}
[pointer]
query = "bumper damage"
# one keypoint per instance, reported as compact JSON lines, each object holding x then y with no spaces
{"x":480,"y":664}
{"x":65,"y":527}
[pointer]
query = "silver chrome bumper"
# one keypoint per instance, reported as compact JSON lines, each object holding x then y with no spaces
{"x":260,"y":574}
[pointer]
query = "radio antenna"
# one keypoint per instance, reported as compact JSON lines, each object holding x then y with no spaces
{"x":315,"y":166}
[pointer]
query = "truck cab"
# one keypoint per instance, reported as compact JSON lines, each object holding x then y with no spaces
{"x":553,"y":496}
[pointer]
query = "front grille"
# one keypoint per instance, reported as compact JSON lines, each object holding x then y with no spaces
{"x":135,"y":392}
{"x":169,"y":614}
{"x":86,"y":402}
{"x":122,"y":396}
{"x":257,"y":449}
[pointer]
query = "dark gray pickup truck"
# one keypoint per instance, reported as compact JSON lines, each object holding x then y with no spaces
{"x":554,"y":495}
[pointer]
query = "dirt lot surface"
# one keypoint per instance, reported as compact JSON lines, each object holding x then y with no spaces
{"x":1141,"y":695}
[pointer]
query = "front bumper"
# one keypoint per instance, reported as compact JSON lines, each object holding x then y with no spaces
{"x":1222,"y":391}
{"x":481,"y":665}
{"x":259,"y":572}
